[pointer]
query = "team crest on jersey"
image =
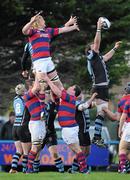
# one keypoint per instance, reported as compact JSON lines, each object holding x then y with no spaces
{"x":43,"y":35}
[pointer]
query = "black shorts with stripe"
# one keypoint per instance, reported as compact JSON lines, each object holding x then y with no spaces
{"x":21,"y":133}
{"x":25,"y":136}
{"x":84,"y":139}
{"x":16,"y":131}
{"x":102,"y":92}
{"x":50,"y":139}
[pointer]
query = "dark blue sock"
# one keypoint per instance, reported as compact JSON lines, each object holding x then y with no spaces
{"x":15,"y":160}
{"x":36,"y":166}
{"x":59,"y":165}
{"x":98,"y":127}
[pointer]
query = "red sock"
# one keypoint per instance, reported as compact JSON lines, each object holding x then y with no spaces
{"x":31,"y":158}
{"x":122,"y":159}
{"x":81,"y":158}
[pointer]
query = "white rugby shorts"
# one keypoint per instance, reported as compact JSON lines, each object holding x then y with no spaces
{"x":126,"y":132}
{"x":44,"y":65}
{"x":70,"y":135}
{"x":37,"y":130}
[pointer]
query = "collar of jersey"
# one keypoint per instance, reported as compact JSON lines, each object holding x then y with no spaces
{"x":41,"y":30}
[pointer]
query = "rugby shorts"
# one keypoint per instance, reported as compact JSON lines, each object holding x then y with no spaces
{"x":44,"y":65}
{"x":70,"y":135}
{"x":102,"y":92}
{"x":50,"y":139}
{"x":38,"y":131}
{"x":126,"y":132}
{"x":84,"y":139}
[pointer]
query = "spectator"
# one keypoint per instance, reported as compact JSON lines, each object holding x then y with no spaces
{"x":6,"y":130}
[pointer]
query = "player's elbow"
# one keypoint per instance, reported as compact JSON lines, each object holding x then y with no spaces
{"x":58,"y":94}
{"x":24,"y":31}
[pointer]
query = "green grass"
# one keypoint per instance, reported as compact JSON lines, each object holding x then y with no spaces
{"x":65,"y":176}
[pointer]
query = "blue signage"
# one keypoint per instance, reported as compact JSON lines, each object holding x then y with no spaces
{"x":97,"y":157}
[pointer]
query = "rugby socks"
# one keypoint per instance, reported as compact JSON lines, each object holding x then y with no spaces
{"x":122,"y":159}
{"x":75,"y":166}
{"x":59,"y":165}
{"x":31,"y":158}
{"x":24,"y":163}
{"x":15,"y":160}
{"x":127,"y":166}
{"x":98,"y":127}
{"x":36,"y":166}
{"x":81,"y":158}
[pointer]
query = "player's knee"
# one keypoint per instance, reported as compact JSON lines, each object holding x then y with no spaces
{"x":37,"y":145}
{"x":99,"y":108}
{"x":55,"y":155}
{"x":19,"y":150}
{"x":101,"y":113}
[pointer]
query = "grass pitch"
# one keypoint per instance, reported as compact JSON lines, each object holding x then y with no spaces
{"x":64,"y":176}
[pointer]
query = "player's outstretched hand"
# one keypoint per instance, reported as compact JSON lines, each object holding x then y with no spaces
{"x":117,"y":44}
{"x":76,"y":26}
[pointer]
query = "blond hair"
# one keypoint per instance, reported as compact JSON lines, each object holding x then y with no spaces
{"x":19,"y":89}
{"x":35,"y":25}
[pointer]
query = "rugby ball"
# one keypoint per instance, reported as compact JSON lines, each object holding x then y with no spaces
{"x":106,"y":23}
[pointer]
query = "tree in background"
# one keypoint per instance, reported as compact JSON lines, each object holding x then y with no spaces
{"x":68,"y":50}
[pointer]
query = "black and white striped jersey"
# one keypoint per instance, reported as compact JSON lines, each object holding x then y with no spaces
{"x":82,"y":118}
{"x":97,"y":68}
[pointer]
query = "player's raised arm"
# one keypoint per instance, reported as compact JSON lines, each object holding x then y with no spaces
{"x":53,"y":87}
{"x":28,"y":26}
{"x":97,"y":39}
{"x":69,"y":28}
{"x":109,"y":55}
{"x":71,"y":21}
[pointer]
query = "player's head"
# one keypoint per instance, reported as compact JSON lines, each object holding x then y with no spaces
{"x":74,"y":90}
{"x":20,"y":89}
{"x":127,"y":88}
{"x":12,"y":117}
{"x":89,"y":47}
{"x":43,"y":85}
{"x":77,"y":90}
{"x":39,"y":23}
